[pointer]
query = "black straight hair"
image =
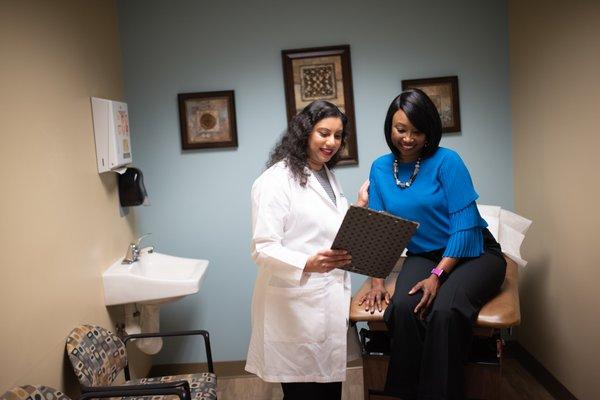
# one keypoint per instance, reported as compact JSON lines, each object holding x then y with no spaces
{"x":424,"y":116}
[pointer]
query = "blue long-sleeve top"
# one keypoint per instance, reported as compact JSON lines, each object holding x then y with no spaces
{"x":441,"y":199}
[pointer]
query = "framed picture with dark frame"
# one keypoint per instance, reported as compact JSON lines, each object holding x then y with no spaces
{"x":321,"y":73}
{"x":207,"y":120}
{"x":443,"y":92}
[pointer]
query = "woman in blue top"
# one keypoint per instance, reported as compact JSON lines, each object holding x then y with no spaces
{"x":453,"y":265}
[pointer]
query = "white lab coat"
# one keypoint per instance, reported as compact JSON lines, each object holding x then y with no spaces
{"x":299,"y":320}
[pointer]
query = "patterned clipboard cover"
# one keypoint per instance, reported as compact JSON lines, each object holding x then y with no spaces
{"x":375,"y":240}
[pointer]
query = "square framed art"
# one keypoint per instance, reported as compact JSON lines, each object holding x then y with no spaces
{"x":443,"y":92}
{"x":207,"y":120}
{"x":321,"y":73}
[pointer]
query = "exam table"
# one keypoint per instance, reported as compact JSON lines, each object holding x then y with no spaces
{"x":484,"y":370}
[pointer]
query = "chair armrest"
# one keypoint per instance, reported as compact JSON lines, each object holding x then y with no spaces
{"x":180,"y":389}
{"x":203,"y":333}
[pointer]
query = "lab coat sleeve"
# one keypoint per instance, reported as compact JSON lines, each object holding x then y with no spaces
{"x":270,"y":212}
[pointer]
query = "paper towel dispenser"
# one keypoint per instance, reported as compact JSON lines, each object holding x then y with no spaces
{"x":111,"y":133}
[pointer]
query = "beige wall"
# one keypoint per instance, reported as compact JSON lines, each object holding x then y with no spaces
{"x":60,"y":225}
{"x":555,"y":79}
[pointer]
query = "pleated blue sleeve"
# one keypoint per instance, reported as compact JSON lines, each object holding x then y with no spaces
{"x":466,"y":239}
{"x":375,"y":199}
{"x":456,"y":182}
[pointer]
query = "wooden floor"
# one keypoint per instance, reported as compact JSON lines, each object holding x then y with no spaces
{"x":517,"y":383}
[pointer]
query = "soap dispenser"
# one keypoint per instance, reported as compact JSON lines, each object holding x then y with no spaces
{"x":132,"y":191}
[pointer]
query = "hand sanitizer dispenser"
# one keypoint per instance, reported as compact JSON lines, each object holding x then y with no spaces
{"x":111,"y":132}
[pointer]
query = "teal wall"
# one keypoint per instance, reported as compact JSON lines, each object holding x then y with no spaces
{"x":200,"y":199}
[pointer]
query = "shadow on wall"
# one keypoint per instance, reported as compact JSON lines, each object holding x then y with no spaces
{"x":109,"y":183}
{"x":70,"y":384}
{"x":534,"y":280}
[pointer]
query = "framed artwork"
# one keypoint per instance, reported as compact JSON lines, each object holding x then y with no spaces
{"x":321,"y":73}
{"x":444,"y":94}
{"x":207,"y":120}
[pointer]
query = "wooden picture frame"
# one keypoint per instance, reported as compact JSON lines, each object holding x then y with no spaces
{"x":207,"y":120}
{"x":443,"y":92}
{"x":321,"y":73}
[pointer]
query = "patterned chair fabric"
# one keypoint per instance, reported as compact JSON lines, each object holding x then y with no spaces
{"x":33,"y":393}
{"x":203,"y":386}
{"x":97,"y":355}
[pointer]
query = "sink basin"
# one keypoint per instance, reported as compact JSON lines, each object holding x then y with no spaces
{"x":154,"y":279}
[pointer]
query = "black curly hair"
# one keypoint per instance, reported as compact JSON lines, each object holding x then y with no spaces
{"x":293,"y":145}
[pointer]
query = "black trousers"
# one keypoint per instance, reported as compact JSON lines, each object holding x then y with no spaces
{"x":312,"y":391}
{"x":427,"y":357}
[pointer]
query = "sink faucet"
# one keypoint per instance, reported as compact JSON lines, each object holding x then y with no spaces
{"x":133,"y":250}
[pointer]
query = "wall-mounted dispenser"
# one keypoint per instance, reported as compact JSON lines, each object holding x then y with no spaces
{"x":111,"y":132}
{"x":132,"y":191}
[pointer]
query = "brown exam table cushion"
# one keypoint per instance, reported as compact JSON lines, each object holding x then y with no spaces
{"x":503,"y":311}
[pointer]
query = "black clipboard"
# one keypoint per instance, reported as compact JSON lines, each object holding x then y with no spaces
{"x":375,"y":240}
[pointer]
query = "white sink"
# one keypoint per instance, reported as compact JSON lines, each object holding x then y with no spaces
{"x":154,"y":279}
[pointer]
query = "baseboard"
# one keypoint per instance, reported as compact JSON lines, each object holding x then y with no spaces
{"x":222,"y":368}
{"x":540,"y":373}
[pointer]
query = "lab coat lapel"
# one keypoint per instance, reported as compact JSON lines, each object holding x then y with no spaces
{"x":341,"y":201}
{"x":314,"y":184}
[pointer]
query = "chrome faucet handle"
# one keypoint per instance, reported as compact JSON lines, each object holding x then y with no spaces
{"x":133,"y":250}
{"x":132,"y":254}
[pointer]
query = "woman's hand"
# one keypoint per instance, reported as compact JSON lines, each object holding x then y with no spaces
{"x":362,"y":199}
{"x":375,"y":296}
{"x":326,"y":260}
{"x":429,"y":287}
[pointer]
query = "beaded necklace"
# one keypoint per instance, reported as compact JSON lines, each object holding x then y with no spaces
{"x":404,"y":185}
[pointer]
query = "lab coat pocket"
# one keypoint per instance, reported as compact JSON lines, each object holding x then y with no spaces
{"x":295,"y":314}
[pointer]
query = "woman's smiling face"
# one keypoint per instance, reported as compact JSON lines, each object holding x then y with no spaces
{"x":324,"y":141}
{"x":408,"y":140}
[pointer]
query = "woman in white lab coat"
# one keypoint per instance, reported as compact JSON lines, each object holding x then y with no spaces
{"x":301,"y":300}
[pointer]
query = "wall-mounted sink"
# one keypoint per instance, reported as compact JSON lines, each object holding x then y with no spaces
{"x":154,"y":278}
{"x":147,"y":283}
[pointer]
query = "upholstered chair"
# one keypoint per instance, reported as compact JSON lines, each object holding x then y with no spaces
{"x":29,"y":392}
{"x":98,"y":356}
